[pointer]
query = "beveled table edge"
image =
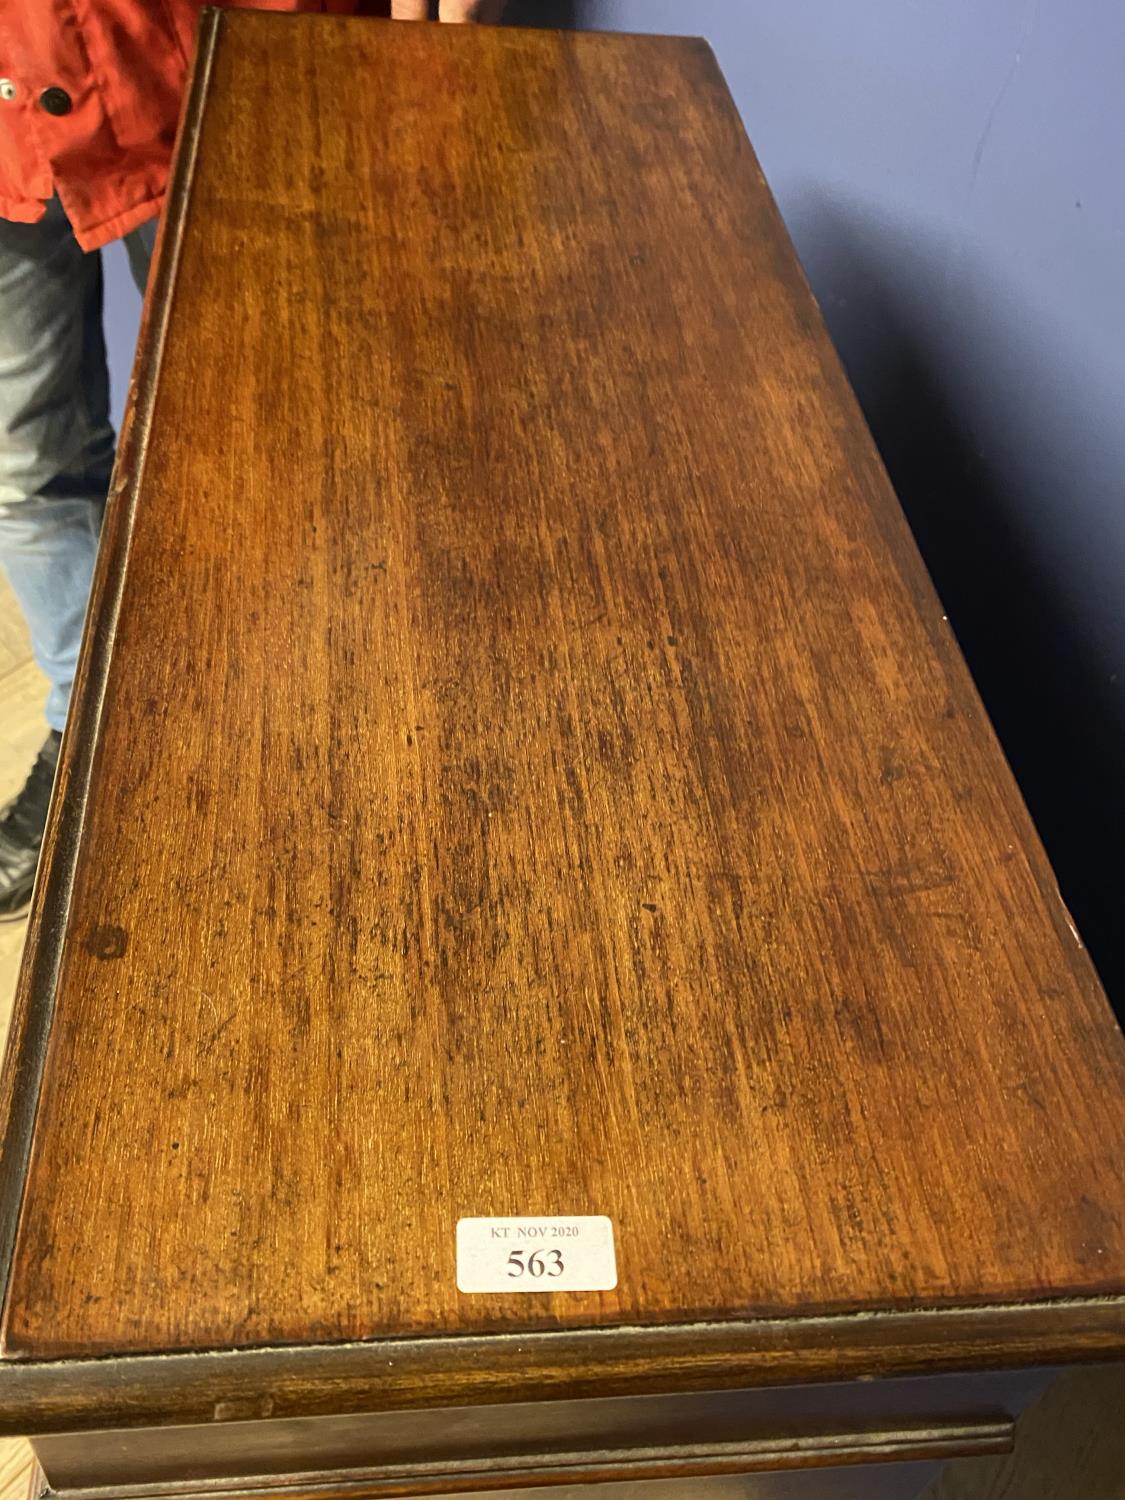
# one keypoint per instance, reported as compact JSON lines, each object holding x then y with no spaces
{"x":29,"y":1033}
{"x":395,"y":1374}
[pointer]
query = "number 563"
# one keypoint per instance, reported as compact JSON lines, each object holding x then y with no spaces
{"x":537,"y":1263}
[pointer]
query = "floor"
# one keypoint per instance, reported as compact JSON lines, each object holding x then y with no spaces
{"x":1071,"y":1443}
{"x":22,"y":689}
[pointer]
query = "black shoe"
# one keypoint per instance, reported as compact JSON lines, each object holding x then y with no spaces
{"x":21,"y":832}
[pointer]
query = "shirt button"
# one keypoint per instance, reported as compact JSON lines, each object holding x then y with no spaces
{"x":55,"y":101}
{"x":7,"y":89}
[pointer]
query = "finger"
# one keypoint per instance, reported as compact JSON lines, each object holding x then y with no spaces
{"x":470,"y":10}
{"x":409,"y":10}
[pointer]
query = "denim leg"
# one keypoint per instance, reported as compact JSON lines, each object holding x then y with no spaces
{"x":138,"y":247}
{"x":56,"y":442}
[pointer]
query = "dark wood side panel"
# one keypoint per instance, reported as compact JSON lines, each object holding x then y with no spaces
{"x":886,"y":1481}
{"x":692,"y":1462}
{"x":720,"y":1431}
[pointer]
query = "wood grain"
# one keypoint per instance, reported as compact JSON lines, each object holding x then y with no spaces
{"x":535,"y":773}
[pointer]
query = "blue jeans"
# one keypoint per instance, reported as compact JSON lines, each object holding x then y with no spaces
{"x":56,"y":442}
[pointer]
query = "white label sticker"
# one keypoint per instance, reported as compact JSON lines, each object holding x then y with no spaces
{"x":564,"y":1254}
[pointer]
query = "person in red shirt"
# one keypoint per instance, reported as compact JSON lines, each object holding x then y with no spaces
{"x":89,"y":101}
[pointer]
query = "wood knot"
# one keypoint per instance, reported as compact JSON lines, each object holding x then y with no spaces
{"x":106,"y":942}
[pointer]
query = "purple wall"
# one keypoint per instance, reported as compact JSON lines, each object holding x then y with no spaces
{"x":951,"y":174}
{"x":963,"y":163}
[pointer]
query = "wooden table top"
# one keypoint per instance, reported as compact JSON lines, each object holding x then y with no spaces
{"x":521,"y":767}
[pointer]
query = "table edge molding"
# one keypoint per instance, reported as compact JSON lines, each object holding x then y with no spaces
{"x":30,"y":1034}
{"x":399,"y":1374}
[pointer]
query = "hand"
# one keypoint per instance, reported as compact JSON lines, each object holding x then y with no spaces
{"x":448,"y":10}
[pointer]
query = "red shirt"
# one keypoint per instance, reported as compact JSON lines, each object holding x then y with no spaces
{"x":89,"y":98}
